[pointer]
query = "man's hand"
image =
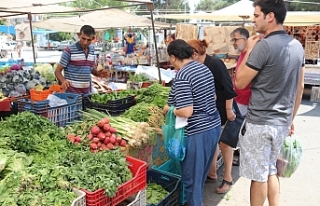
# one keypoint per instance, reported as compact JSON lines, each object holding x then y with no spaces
{"x":103,"y":73}
{"x":65,"y":85}
{"x":252,"y":41}
{"x":291,"y":132}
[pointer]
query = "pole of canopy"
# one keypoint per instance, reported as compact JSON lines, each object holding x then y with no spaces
{"x":151,"y":8}
{"x":32,"y":42}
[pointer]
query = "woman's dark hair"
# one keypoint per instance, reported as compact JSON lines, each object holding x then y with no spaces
{"x":278,"y":7}
{"x":87,"y":30}
{"x":180,"y":49}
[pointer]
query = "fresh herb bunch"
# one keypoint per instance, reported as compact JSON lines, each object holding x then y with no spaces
{"x":27,"y":132}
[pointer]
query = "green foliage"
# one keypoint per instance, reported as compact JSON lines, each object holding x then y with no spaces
{"x":211,"y":5}
{"x":95,"y":4}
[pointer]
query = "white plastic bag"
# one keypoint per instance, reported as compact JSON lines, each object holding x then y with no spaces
{"x":290,"y":156}
{"x":55,"y":101}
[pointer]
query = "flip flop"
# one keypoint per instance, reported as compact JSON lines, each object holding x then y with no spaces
{"x":221,"y":186}
{"x":211,"y":180}
{"x":236,"y":162}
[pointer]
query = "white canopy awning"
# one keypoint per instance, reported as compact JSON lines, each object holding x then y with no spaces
{"x":101,"y":19}
{"x":34,"y":10}
{"x":242,"y":11}
{"x":10,"y":4}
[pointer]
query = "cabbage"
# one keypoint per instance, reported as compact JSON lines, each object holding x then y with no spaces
{"x":46,"y":70}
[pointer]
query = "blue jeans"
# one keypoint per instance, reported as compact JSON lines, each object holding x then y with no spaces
{"x":200,"y":149}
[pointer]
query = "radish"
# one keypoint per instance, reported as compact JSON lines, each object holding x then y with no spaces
{"x":112,"y":140}
{"x":95,"y":130}
{"x":110,"y":146}
{"x":108,"y":134}
{"x":95,"y":140}
{"x":99,"y":145}
{"x":123,"y":143}
{"x":103,"y":147}
{"x":106,"y":120}
{"x":76,"y":143}
{"x":116,"y":144}
{"x":93,"y":150}
{"x":114,"y":136}
{"x":101,"y":136}
{"x":90,"y":136}
{"x":119,"y":138}
{"x":102,"y":122}
{"x":72,"y":139}
{"x":106,"y":127}
{"x":78,"y":138}
{"x":70,"y":136}
{"x":106,"y":140}
{"x":113,"y":130}
{"x":93,"y":146}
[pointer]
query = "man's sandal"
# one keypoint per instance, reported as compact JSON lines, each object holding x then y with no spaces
{"x":221,"y":186}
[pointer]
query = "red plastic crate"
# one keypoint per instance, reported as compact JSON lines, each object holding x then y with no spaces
{"x":137,"y":183}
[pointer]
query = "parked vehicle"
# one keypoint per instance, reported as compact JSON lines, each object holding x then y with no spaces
{"x":63,"y":45}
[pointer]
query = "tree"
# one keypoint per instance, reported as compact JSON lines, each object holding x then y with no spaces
{"x":310,"y":5}
{"x":211,"y":5}
{"x":96,"y":4}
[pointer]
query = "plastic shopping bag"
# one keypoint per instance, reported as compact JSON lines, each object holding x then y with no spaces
{"x":290,"y":156}
{"x":174,"y":139}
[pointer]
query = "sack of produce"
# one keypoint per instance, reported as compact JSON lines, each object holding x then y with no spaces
{"x":290,"y":156}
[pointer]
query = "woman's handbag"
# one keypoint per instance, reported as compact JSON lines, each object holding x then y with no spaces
{"x":174,"y":139}
{"x":231,"y":130}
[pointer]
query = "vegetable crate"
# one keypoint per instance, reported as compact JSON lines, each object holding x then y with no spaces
{"x":42,"y":95}
{"x":81,"y":199}
{"x":59,"y":115}
{"x":169,"y":183}
{"x":140,"y":199}
{"x":136,"y":184}
{"x":172,"y":167}
{"x":113,"y":107}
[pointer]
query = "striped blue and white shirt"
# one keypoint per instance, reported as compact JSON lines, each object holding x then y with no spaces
{"x":77,"y":67}
{"x":194,"y":86}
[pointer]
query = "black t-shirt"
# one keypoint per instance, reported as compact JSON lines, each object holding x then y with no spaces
{"x":223,"y":84}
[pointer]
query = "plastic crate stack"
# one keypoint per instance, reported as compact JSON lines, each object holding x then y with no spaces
{"x":167,"y":181}
{"x":113,"y":107}
{"x":136,"y":184}
{"x":173,"y":168}
{"x":59,"y":115}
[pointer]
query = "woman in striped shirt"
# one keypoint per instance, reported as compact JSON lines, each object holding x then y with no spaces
{"x":193,"y":96}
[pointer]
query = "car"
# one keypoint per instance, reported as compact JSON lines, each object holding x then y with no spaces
{"x":63,"y":45}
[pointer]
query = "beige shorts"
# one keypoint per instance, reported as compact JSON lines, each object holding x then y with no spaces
{"x":259,"y":149}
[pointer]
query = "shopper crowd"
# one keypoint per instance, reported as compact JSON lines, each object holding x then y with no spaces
{"x":267,"y":88}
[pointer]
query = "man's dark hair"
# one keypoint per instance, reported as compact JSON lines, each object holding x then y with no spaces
{"x":278,"y":7}
{"x":242,"y":31}
{"x":87,"y":30}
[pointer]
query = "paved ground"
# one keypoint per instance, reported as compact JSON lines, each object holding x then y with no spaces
{"x":303,"y":188}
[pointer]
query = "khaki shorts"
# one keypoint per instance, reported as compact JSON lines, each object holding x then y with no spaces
{"x":259,"y":149}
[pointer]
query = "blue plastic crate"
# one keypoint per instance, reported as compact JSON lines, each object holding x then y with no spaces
{"x":59,"y":115}
{"x":169,"y":183}
{"x":172,"y":167}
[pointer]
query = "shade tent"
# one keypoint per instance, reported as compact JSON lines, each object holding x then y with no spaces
{"x":108,"y":18}
{"x":13,"y":4}
{"x":242,"y":11}
{"x":34,"y":10}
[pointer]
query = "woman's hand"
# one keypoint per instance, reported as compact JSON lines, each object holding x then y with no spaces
{"x":231,"y":116}
{"x":165,"y":109}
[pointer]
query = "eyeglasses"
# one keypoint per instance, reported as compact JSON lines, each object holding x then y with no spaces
{"x":236,"y":39}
